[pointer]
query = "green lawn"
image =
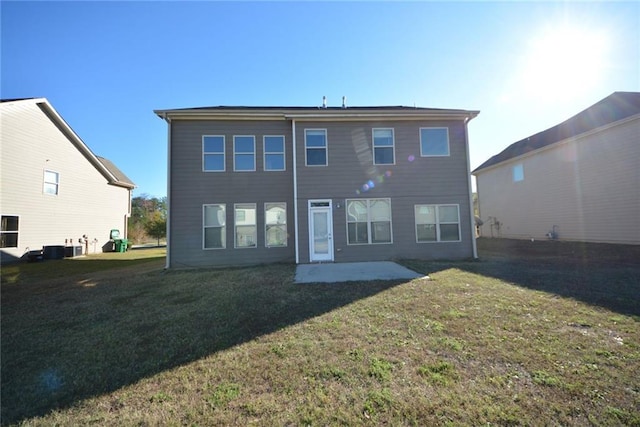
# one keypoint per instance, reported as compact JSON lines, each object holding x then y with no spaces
{"x":538,"y":334}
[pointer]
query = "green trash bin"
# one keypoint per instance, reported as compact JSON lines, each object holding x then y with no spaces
{"x":120,"y":245}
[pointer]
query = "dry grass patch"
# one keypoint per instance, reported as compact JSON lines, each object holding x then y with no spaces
{"x":475,"y":345}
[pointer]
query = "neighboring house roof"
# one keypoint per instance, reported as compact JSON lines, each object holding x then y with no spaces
{"x":615,"y":107}
{"x":294,"y":112}
{"x":113,"y":175}
{"x":120,"y":176}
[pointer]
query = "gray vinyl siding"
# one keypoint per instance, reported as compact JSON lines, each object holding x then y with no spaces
{"x":413,"y":180}
{"x":586,"y":186}
{"x":191,"y":188}
{"x":85,"y":205}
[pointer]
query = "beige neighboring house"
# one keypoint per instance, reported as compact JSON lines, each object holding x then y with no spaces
{"x":54,"y":190}
{"x":579,"y":180}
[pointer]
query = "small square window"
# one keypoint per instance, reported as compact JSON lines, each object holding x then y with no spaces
{"x":274,"y":153}
{"x":213,"y":153}
{"x":214,"y":226}
{"x":434,"y":142}
{"x":245,"y":225}
{"x":383,"y":147}
{"x":244,"y":153}
{"x":9,"y":232}
{"x":315,"y":141}
{"x":51,"y":182}
{"x":518,"y":172}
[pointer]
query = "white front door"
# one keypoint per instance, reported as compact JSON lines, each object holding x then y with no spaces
{"x":320,"y":231}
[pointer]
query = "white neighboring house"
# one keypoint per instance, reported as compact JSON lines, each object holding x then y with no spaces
{"x":579,"y":180}
{"x":53,"y":189}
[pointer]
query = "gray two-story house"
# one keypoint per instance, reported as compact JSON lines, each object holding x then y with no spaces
{"x":250,"y":185}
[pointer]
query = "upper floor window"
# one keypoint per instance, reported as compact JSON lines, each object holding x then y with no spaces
{"x":274,"y":153}
{"x":213,"y":153}
{"x":368,"y":221}
{"x":434,"y":142}
{"x":245,"y":225}
{"x":315,"y":142}
{"x":275,"y":223}
{"x":244,"y":153}
{"x":51,"y":182}
{"x":437,"y":223}
{"x":214,"y":225}
{"x":9,"y":232}
{"x":383,"y":147}
{"x":518,"y":172}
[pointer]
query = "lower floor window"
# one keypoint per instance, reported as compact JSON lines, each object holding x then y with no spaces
{"x":214,"y":226}
{"x":9,"y":232}
{"x":275,"y":222}
{"x":368,"y":221}
{"x":437,"y":223}
{"x":245,"y":225}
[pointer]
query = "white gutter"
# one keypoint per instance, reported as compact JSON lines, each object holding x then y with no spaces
{"x":471,"y":215}
{"x":168,"y":258}
{"x":295,"y":189}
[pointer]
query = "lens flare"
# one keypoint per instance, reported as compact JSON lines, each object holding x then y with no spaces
{"x":411,"y":158}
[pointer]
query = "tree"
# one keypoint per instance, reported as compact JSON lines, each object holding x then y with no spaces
{"x":143,"y":210}
{"x":156,"y":226}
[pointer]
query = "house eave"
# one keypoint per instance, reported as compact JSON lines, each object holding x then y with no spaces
{"x":346,"y":114}
{"x":554,"y":145}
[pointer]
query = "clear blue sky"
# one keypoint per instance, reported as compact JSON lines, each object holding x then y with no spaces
{"x":105,"y":66}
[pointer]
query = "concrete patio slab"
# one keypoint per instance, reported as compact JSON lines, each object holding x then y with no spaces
{"x":352,"y":271}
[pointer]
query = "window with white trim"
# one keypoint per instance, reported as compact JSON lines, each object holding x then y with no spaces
{"x":51,"y":182}
{"x":315,"y":144}
{"x":518,"y":172}
{"x":244,"y":153}
{"x":368,"y":221}
{"x":275,"y":225}
{"x":274,"y":153}
{"x":245,"y":225}
{"x":214,"y":226}
{"x":213,"y":153}
{"x":437,"y":223}
{"x":383,"y":147}
{"x":9,"y":231}
{"x":434,"y":142}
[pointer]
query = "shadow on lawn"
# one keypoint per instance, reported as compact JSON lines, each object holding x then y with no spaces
{"x":76,"y":340}
{"x":598,"y":274}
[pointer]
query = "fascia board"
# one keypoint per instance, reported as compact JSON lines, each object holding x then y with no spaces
{"x":64,"y":127}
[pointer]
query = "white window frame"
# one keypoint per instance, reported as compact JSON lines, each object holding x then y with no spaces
{"x":244,"y":154}
{"x":265,"y":152}
{"x":326,"y":148}
{"x":393,"y":145}
{"x":54,"y":184}
{"x":448,"y":141}
{"x":216,"y":153}
{"x":204,"y":226}
{"x":369,"y":221}
{"x":517,"y":172}
{"x":267,"y":224}
{"x":16,"y":232}
{"x":253,"y":206}
{"x":437,"y":223}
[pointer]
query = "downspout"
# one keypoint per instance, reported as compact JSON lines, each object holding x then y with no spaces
{"x":168,"y":258}
{"x":295,"y":189}
{"x":471,"y":215}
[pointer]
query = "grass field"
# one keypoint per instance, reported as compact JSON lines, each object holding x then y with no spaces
{"x":542,"y":333}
